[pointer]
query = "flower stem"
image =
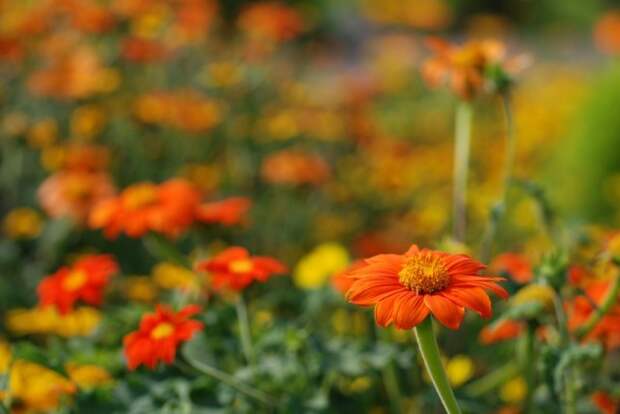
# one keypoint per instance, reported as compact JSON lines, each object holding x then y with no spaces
{"x":608,"y":301}
{"x":462,"y":135}
{"x":244,"y":329}
{"x":527,"y":360}
{"x":492,"y":380}
{"x":498,"y":210}
{"x":430,"y":354}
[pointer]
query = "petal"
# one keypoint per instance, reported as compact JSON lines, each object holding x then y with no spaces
{"x":461,"y":264}
{"x":446,"y":311}
{"x":385,"y":311}
{"x":475,"y":299}
{"x":411,"y":311}
{"x":368,"y":292}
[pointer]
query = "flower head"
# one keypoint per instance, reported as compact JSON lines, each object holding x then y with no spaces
{"x":159,"y":336}
{"x":234,"y":269}
{"x":84,"y":281}
{"x":406,"y":288}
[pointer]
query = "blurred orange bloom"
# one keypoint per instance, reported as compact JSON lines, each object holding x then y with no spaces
{"x":85,"y":280}
{"x":502,"y":331}
{"x":159,"y":336}
{"x":228,"y":212}
{"x":581,"y":308}
{"x":234,"y":269}
{"x":605,"y":402}
{"x":270,"y":21}
{"x":516,"y":265}
{"x":294,"y":167}
{"x":461,"y":67}
{"x":144,"y":50}
{"x":406,"y":288}
{"x":74,"y":193}
{"x":607,"y":32}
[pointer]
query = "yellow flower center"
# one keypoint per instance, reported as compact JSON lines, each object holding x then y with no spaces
{"x":424,"y":273}
{"x":241,"y":266}
{"x":162,"y":330}
{"x":140,"y":195}
{"x":74,"y":280}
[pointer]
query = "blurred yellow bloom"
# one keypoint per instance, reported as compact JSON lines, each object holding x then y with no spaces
{"x":87,"y":121}
{"x":149,"y":25}
{"x":140,"y":289}
{"x":108,"y":80}
{"x":43,"y":133}
{"x":535,"y":293}
{"x":171,"y":276}
{"x":5,"y":356}
{"x":53,"y":157}
{"x":80,"y":322}
{"x":263,"y":318}
{"x":221,"y":74}
{"x":204,"y":176}
{"x":459,"y":369}
{"x":14,"y":123}
{"x":23,"y":223}
{"x":360,"y":384}
{"x":513,"y":391}
{"x":281,"y":125}
{"x":37,"y":388}
{"x":314,"y":269}
{"x":88,"y":376}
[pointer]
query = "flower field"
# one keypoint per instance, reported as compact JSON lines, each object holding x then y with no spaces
{"x":353,"y":206}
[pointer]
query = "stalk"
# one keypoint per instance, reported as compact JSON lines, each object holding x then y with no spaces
{"x":244,"y":329}
{"x":430,"y":354}
{"x":462,"y":134}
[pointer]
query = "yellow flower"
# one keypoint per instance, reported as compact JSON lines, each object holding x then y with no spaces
{"x":313,"y":270}
{"x":53,"y":157}
{"x":22,"y":223}
{"x":535,"y":293}
{"x":87,"y":121}
{"x":140,"y":289}
{"x":80,"y":322}
{"x":360,"y":384}
{"x":5,"y":356}
{"x":37,"y":388}
{"x":43,"y":133}
{"x":108,"y":80}
{"x":514,"y":390}
{"x":221,"y":74}
{"x":88,"y":376}
{"x":170,"y":276}
{"x":459,"y":369}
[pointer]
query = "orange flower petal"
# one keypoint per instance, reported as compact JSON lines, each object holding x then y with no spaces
{"x":475,"y":299}
{"x":446,"y":311}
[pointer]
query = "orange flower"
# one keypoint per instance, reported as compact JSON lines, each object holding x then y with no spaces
{"x":159,"y":336}
{"x":294,"y":167}
{"x":234,"y":269}
{"x":462,"y":67}
{"x":516,"y":265}
{"x":74,"y":193}
{"x":580,"y":309}
{"x":406,"y":288}
{"x":227,"y":212}
{"x":605,"y":402}
{"x":167,"y":208}
{"x":144,"y":50}
{"x":342,"y":281}
{"x":270,"y":21}
{"x":607,"y":32}
{"x":85,"y":280}
{"x":502,"y":331}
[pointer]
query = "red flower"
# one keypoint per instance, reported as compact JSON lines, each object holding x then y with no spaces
{"x":227,"y":212}
{"x":516,"y":265}
{"x":159,"y":335}
{"x":84,"y":281}
{"x":234,"y":269}
{"x":502,"y":331}
{"x":406,"y":288}
{"x":605,"y":402}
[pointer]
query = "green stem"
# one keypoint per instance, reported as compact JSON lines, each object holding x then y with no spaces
{"x":498,"y":210}
{"x":229,"y":380}
{"x":462,"y":134}
{"x":432,"y":360}
{"x":244,"y":329}
{"x":528,"y":366}
{"x":608,"y":301}
{"x":492,"y":380}
{"x":390,"y":380}
{"x":570,"y":394}
{"x":163,"y":249}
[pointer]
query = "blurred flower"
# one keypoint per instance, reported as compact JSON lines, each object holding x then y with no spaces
{"x":5,"y":356}
{"x":14,"y":123}
{"x":74,"y":193}
{"x":84,"y":281}
{"x":140,"y":289}
{"x":159,"y":335}
{"x":42,"y":133}
{"x":607,"y":32}
{"x":535,"y":293}
{"x":459,"y":369}
{"x":171,"y":276}
{"x":87,"y":121}
{"x":406,"y":288}
{"x":421,"y":14}
{"x":605,"y":402}
{"x":502,"y":331}
{"x":88,"y":376}
{"x":513,"y":391}
{"x":234,"y":269}
{"x":22,"y":223}
{"x":227,"y":212}
{"x":35,"y":388}
{"x":270,"y":21}
{"x":314,"y":269}
{"x":80,"y":322}
{"x":294,"y":167}
{"x":144,"y":50}
{"x":205,"y":177}
{"x":515,"y":265}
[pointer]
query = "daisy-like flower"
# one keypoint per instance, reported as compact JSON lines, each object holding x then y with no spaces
{"x":234,"y":269}
{"x":159,"y":336}
{"x":406,"y":288}
{"x":228,"y":212}
{"x":84,"y":281}
{"x":503,"y":331}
